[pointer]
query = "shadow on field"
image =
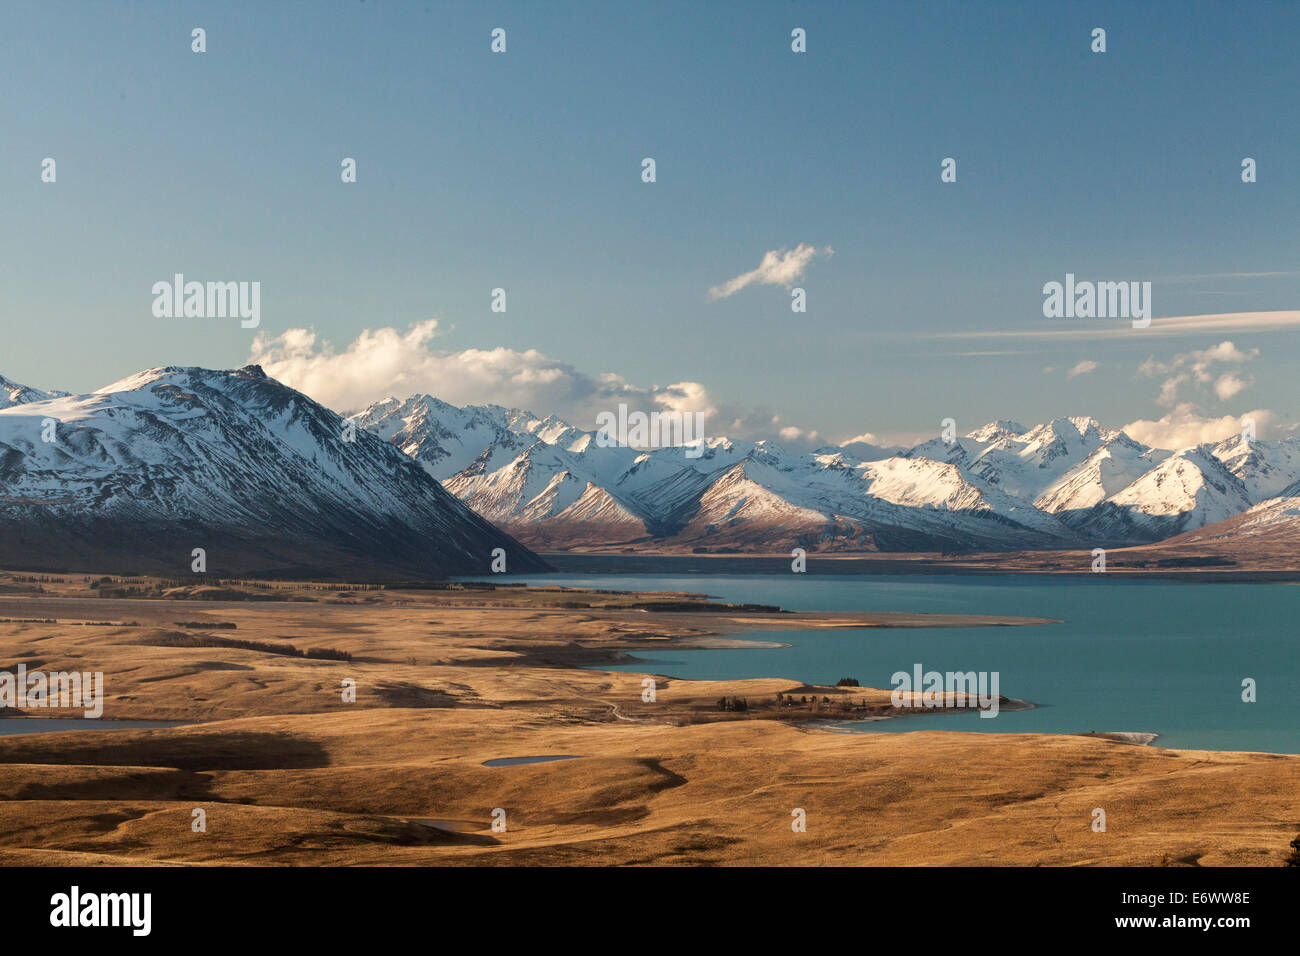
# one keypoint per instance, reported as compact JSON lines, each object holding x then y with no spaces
{"x":234,"y":750}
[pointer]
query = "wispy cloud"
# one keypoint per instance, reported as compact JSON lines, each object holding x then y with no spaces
{"x":779,"y":267}
{"x":1083,"y":368}
{"x":1213,"y":324}
{"x":1225,"y":275}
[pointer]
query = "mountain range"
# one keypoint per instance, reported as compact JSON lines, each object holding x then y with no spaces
{"x":1067,"y":483}
{"x":140,"y":473}
{"x":267,"y":481}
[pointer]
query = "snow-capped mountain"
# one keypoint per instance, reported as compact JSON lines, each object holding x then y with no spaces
{"x":11,"y":394}
{"x":1267,"y":531}
{"x":1024,"y":462}
{"x":261,"y":477}
{"x":1275,"y":518}
{"x":1065,"y":483}
{"x":775,"y":500}
{"x":1265,"y":468}
{"x":551,"y":483}
{"x":444,"y":438}
{"x":1108,"y":470}
{"x":141,"y":472}
{"x":1187,"y":490}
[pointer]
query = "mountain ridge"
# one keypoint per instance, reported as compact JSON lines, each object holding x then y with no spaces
{"x":1068,"y":482}
{"x":136,"y":450}
{"x":142,"y":471}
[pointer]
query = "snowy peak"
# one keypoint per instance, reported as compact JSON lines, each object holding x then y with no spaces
{"x":1191,"y":480}
{"x":257,"y":474}
{"x":921,"y":483}
{"x":1267,"y":531}
{"x":443,"y":438}
{"x":995,"y":431}
{"x":1265,"y":468}
{"x":277,"y":480}
{"x":1187,"y":490}
{"x":1108,"y":470}
{"x":11,"y":394}
{"x":726,"y":493}
{"x":1059,"y":437}
{"x":1070,"y":481}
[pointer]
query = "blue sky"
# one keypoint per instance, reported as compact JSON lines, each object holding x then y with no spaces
{"x":522,"y":170}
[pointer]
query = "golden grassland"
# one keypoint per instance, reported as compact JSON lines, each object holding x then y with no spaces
{"x":286,"y":772}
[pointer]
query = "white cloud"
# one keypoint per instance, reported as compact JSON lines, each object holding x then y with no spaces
{"x":1184,"y":426}
{"x":1169,"y":390}
{"x":779,"y":267}
{"x":791,"y":434}
{"x":1223,"y":352}
{"x":1083,"y":368}
{"x":1228,"y":385}
{"x":1197,"y":367}
{"x":386,"y":362}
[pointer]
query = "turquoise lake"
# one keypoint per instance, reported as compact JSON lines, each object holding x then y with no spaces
{"x":1166,"y":657}
{"x":54,"y":725}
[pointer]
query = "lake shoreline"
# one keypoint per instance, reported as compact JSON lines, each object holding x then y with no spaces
{"x":1048,"y":564}
{"x":448,"y":684}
